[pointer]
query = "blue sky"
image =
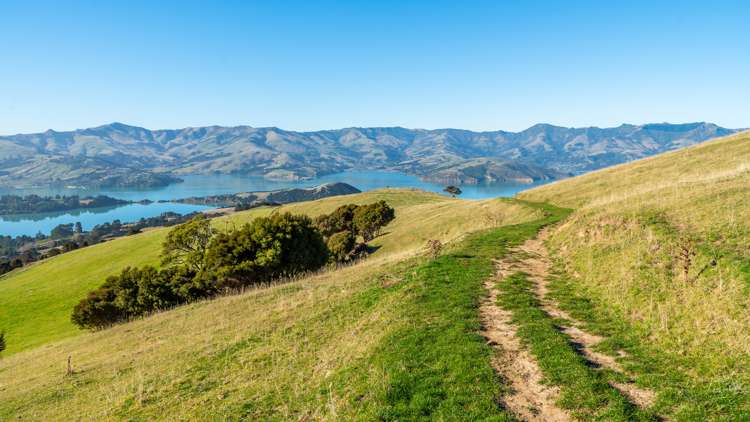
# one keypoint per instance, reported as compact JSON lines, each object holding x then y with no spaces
{"x":306,"y":65}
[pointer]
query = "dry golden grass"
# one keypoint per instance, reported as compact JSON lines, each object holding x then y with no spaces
{"x":268,"y":353}
{"x":623,"y":243}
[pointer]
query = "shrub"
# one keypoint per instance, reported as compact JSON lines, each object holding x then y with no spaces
{"x":2,"y":341}
{"x":186,"y":244}
{"x":134,"y":292}
{"x":341,"y":219}
{"x":266,"y":248}
{"x":98,"y":309}
{"x":434,"y":248}
{"x":370,"y":219}
{"x":340,"y":246}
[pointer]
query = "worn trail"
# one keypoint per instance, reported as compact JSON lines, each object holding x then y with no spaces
{"x":529,"y":399}
{"x":532,"y":258}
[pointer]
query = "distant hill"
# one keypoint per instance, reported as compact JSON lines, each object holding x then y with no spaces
{"x":122,"y":155}
{"x":281,"y":196}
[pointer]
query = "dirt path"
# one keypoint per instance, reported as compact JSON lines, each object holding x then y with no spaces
{"x":529,"y":399}
{"x":532,"y":258}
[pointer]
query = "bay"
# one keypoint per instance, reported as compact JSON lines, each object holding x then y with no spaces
{"x":204,"y":185}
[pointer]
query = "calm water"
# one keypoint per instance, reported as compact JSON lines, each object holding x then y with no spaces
{"x":204,"y":185}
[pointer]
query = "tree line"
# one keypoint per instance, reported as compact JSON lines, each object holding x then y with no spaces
{"x":200,"y":262}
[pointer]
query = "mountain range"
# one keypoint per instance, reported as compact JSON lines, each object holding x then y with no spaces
{"x":119,"y":155}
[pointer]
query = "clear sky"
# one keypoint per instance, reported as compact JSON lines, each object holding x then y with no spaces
{"x":306,"y":65}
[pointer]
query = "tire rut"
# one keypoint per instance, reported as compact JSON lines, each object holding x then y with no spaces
{"x":532,"y":258}
{"x":529,"y":399}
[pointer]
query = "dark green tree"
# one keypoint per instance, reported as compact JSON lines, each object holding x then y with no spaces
{"x":453,"y":190}
{"x":340,"y":246}
{"x":97,"y":309}
{"x":341,"y":219}
{"x":267,"y":248}
{"x":62,"y":231}
{"x":186,"y":244}
{"x":2,"y":341}
{"x":370,"y":219}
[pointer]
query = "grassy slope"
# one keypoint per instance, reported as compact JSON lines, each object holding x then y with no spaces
{"x":333,"y":345}
{"x":619,"y":250}
{"x":35,"y":302}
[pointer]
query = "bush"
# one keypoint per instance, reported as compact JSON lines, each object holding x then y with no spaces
{"x":370,"y":219}
{"x":186,"y":244}
{"x":2,"y":341}
{"x":341,"y":219}
{"x":98,"y":309}
{"x":199,"y":263}
{"x":134,"y":292}
{"x":340,"y":246}
{"x":266,"y":248}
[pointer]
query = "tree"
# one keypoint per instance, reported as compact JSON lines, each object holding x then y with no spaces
{"x":453,"y":190}
{"x":266,"y":248}
{"x":62,"y":231}
{"x":341,"y":219}
{"x":370,"y":219}
{"x":340,"y":246}
{"x":98,"y":309}
{"x":186,"y":244}
{"x":2,"y":341}
{"x":78,"y":227}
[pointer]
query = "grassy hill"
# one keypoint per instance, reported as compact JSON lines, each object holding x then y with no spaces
{"x":313,"y":347}
{"x":624,"y":250}
{"x":36,"y":301}
{"x":654,"y":263}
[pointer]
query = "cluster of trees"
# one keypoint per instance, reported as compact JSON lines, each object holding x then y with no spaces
{"x":199,"y":262}
{"x":343,"y":226}
{"x":14,"y":204}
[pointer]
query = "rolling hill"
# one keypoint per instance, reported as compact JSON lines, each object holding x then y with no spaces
{"x":661,"y":247}
{"x":122,"y":155}
{"x":632,"y":306}
{"x":305,"y":347}
{"x":36,"y":301}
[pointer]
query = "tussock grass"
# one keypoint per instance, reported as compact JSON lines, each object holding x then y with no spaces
{"x":323,"y":347}
{"x":622,"y":248}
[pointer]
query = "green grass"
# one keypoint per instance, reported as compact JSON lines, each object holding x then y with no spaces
{"x":680,"y":396}
{"x":619,"y":252}
{"x":36,"y":301}
{"x":583,"y":390}
{"x":386,"y":338}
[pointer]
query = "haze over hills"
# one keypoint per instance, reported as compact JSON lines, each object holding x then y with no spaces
{"x":120,"y":155}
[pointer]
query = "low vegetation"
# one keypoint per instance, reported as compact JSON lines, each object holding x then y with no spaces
{"x":659,"y":248}
{"x":200,"y":262}
{"x":340,"y":344}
